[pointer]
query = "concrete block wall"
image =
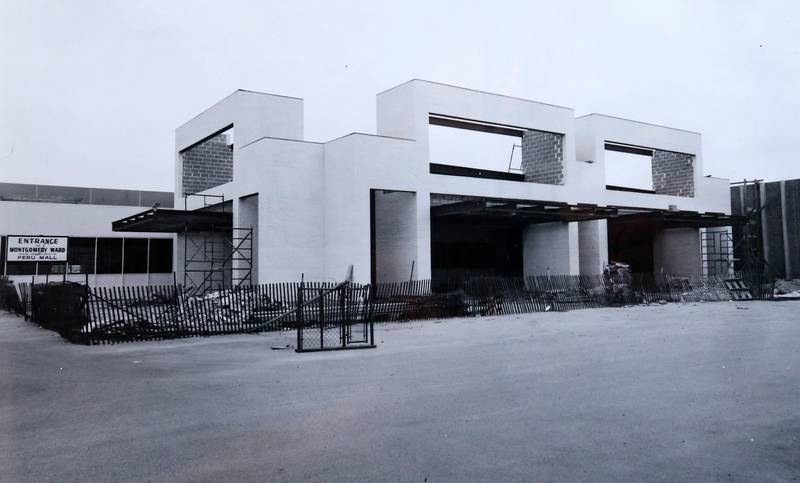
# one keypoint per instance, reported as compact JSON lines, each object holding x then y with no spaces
{"x":550,"y":248}
{"x":543,"y":157}
{"x":207,"y":165}
{"x":677,"y":251}
{"x":673,"y":173}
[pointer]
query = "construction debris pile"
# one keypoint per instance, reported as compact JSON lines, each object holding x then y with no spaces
{"x":618,"y":281}
{"x":787,"y":288}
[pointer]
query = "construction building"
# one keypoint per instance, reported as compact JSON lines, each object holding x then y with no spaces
{"x":455,"y":182}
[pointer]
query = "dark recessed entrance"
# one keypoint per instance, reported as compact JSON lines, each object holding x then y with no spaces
{"x":631,"y":243}
{"x":460,"y":249}
{"x":482,"y":237}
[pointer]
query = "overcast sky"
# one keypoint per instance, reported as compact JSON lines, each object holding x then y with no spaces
{"x":91,"y":91}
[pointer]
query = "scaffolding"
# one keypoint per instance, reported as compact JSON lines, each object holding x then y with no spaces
{"x":748,"y":249}
{"x":717,"y":249}
{"x":749,"y":261}
{"x":217,"y":258}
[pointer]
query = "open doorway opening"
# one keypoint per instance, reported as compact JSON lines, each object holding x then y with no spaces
{"x":632,"y":244}
{"x":393,"y":220}
{"x":462,"y":249}
{"x":469,"y":243}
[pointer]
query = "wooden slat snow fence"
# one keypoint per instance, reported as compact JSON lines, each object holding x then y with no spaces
{"x":101,"y":315}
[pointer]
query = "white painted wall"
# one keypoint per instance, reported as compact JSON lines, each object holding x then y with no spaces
{"x":353,"y":165}
{"x":288,"y":177}
{"x":65,"y":219}
{"x":550,"y":248}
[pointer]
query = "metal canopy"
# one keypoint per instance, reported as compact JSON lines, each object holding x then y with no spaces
{"x":519,"y":211}
{"x":174,"y":221}
{"x":679,"y":219}
{"x":505,"y":211}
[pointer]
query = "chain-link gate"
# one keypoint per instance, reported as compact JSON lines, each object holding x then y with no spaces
{"x":334,"y":318}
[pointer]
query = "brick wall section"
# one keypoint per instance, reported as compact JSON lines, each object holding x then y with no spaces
{"x":207,"y":165}
{"x":673,"y":173}
{"x":543,"y":157}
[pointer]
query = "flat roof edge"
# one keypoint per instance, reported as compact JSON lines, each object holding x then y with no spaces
{"x":262,"y":138}
{"x":639,"y":122}
{"x":369,"y":135}
{"x":475,"y":90}
{"x":231,"y":95}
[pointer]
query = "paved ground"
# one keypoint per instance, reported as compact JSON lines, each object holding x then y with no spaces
{"x":700,"y":392}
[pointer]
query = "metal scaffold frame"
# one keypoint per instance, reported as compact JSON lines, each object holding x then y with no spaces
{"x":218,"y":258}
{"x":717,"y":250}
{"x":748,"y":246}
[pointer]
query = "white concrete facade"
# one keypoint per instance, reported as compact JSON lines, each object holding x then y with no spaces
{"x":312,"y":209}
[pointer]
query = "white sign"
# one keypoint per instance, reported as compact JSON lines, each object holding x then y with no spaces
{"x":23,"y":248}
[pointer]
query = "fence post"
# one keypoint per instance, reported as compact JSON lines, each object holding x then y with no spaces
{"x":370,"y":312}
{"x":87,"y":311}
{"x":342,"y":318}
{"x":299,"y":316}
{"x":321,"y":320}
{"x":33,"y":281}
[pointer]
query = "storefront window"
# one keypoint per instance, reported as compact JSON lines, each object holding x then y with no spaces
{"x":140,"y":255}
{"x":21,"y":268}
{"x":160,"y":255}
{"x":51,"y":268}
{"x":135,"y":255}
{"x":109,"y":255}
{"x":80,"y":255}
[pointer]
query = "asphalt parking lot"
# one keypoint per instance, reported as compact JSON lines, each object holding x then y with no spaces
{"x":695,"y":392}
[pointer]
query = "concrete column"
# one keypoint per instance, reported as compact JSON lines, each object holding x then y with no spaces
{"x":178,"y":255}
{"x":550,"y":248}
{"x":422,"y":270}
{"x":787,"y":248}
{"x":593,"y":246}
{"x":677,"y":251}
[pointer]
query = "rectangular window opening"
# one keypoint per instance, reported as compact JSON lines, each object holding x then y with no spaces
{"x":160,"y":255}
{"x":463,"y":147}
{"x":80,"y":255}
{"x":628,"y":168}
{"x":135,"y":255}
{"x":141,"y":255}
{"x":109,"y":255}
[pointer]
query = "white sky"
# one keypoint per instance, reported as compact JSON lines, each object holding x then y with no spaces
{"x":91,"y":91}
{"x":473,"y":149}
